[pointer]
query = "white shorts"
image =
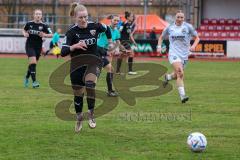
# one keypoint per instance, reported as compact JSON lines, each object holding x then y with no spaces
{"x":175,"y":58}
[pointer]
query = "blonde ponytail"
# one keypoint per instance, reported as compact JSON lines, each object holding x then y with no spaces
{"x":75,"y":7}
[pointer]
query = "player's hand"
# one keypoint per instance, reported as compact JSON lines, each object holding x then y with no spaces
{"x":80,"y":45}
{"x":25,"y":34}
{"x":111,"y":47}
{"x":192,"y":48}
{"x":126,"y":53}
{"x":159,"y":49}
{"x":42,"y":34}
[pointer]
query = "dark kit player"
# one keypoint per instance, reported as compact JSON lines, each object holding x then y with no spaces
{"x":106,"y":51}
{"x":81,"y":39}
{"x":127,"y":30}
{"x":35,"y":31}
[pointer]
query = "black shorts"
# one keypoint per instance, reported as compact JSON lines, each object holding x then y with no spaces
{"x":126,"y":44}
{"x":33,"y":51}
{"x":78,"y":76}
{"x":101,"y":51}
{"x":105,"y":61}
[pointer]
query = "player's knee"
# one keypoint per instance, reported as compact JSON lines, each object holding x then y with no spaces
{"x":182,"y":75}
{"x":90,"y":88}
{"x":33,"y":61}
{"x":78,"y":91}
{"x":179,"y":72}
{"x":109,"y":68}
{"x":131,"y":54}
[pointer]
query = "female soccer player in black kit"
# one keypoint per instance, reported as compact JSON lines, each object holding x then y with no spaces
{"x":127,"y":30}
{"x":81,"y":39}
{"x":34,"y":31}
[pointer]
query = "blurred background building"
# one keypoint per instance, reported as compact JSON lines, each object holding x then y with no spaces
{"x":15,"y":13}
{"x":214,"y":19}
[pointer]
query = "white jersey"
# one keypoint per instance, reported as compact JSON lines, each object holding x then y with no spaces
{"x":179,"y":37}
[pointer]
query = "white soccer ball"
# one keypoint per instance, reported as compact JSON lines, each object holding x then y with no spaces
{"x":197,"y":142}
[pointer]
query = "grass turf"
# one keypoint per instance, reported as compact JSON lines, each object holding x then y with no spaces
{"x":29,"y":128}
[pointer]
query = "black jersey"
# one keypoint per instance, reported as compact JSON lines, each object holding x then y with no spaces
{"x":33,"y":30}
{"x":126,"y":29}
{"x":89,"y":35}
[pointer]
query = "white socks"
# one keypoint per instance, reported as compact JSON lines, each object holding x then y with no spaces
{"x":181,"y":92}
{"x":169,"y":77}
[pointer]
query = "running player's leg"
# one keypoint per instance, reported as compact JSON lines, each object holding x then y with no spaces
{"x":130,"y":63}
{"x":78,"y":91}
{"x":43,"y":51}
{"x":90,"y":83}
{"x":33,"y":57}
{"x":37,"y":52}
{"x":169,"y":77}
{"x":33,"y":65}
{"x":28,"y":74}
{"x":78,"y":104}
{"x":26,"y":78}
{"x":130,"y":54}
{"x":120,"y":57}
{"x":109,"y":78}
{"x":178,"y":69}
{"x":110,"y":57}
{"x":50,"y":48}
{"x":173,"y":75}
{"x":119,"y":64}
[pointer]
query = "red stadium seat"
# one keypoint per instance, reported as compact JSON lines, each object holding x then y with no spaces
{"x":227,"y":28}
{"x":203,"y":27}
{"x":215,"y":34}
{"x":233,"y":35}
{"x":219,"y":28}
{"x":205,"y":21}
{"x":236,"y":28}
{"x":211,"y":28}
{"x":224,"y":34}
{"x":207,"y":35}
{"x":213,"y":21}
{"x":230,"y":21}
{"x":237,"y":21}
{"x":222,"y":21}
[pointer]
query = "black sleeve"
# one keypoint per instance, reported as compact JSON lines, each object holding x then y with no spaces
{"x":101,"y":27}
{"x":133,"y":27}
{"x":67,"y":42}
{"x":47,"y":29}
{"x":104,"y":28}
{"x":26,"y":27}
{"x":108,"y":33}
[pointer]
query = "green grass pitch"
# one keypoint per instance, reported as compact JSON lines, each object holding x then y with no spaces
{"x":30,"y":130}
